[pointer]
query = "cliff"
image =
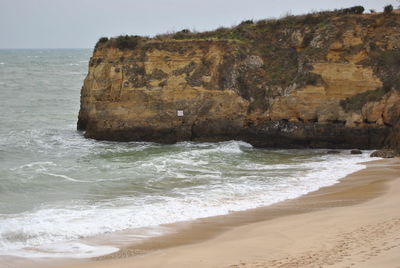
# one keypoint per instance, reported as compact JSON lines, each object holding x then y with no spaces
{"x":323,"y":80}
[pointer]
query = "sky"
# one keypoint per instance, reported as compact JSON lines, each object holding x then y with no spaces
{"x":80,"y":23}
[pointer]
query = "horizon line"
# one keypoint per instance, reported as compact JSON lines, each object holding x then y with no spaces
{"x":16,"y":48}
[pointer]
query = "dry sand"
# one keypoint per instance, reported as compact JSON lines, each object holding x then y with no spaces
{"x":355,"y":223}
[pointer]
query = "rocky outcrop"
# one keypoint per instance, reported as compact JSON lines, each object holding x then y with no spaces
{"x":321,"y":80}
{"x":355,"y":151}
{"x":385,"y":153}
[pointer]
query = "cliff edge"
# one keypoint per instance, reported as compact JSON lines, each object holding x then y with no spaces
{"x":323,"y":80}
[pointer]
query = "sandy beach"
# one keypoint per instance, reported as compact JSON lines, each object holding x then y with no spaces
{"x":355,"y":223}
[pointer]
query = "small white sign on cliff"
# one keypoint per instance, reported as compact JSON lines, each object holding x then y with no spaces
{"x":179,"y":112}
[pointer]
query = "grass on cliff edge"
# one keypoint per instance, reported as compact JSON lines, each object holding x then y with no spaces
{"x":245,"y":31}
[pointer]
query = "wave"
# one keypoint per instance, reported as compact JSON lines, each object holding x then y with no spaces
{"x":39,"y":164}
{"x":65,"y":177}
{"x":181,"y":182}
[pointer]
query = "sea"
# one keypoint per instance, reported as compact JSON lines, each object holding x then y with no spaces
{"x":58,"y":189}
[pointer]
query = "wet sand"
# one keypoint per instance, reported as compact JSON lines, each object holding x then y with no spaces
{"x":355,"y":223}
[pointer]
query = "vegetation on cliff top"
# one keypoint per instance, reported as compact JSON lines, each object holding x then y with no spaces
{"x":121,"y":42}
{"x":239,"y":32}
{"x":248,"y":30}
{"x":388,"y":9}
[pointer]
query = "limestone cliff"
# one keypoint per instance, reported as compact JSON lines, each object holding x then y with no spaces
{"x":320,"y":80}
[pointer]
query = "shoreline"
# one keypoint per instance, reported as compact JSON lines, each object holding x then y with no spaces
{"x":353,"y":190}
{"x":206,"y":235}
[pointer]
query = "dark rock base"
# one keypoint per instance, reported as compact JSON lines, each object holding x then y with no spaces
{"x":279,"y":134}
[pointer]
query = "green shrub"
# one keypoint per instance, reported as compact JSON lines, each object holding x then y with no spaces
{"x":388,"y":9}
{"x":247,"y":22}
{"x":280,"y":64}
{"x":357,"y":10}
{"x":127,"y":42}
{"x":102,"y":40}
{"x":352,"y":10}
{"x":184,"y":34}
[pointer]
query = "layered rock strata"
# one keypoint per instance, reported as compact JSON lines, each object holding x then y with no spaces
{"x":319,"y":81}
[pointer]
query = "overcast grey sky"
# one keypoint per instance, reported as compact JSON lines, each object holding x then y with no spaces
{"x":80,"y":23}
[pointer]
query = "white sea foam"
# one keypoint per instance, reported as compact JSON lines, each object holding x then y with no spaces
{"x":61,"y":250}
{"x":40,"y":165}
{"x":49,"y":230}
{"x":65,"y":177}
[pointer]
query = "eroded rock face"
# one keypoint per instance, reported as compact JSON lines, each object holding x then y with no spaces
{"x":306,"y":86}
{"x":165,"y":94}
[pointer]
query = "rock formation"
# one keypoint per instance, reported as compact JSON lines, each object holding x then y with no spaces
{"x":323,"y":80}
{"x":384,"y":153}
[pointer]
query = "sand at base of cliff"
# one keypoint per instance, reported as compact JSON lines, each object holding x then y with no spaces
{"x":360,"y":229}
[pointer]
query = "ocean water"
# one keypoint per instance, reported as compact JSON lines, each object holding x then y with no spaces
{"x":57,"y":188}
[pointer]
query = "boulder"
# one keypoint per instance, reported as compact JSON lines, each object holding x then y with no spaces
{"x":385,"y":153}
